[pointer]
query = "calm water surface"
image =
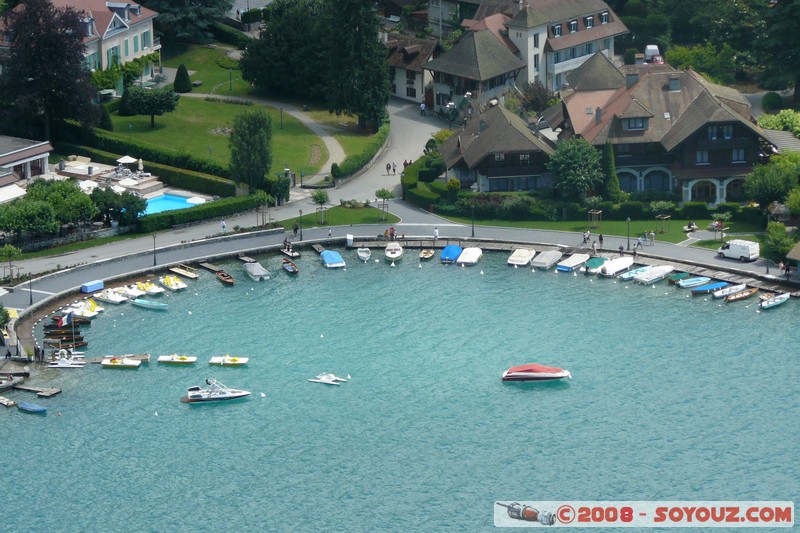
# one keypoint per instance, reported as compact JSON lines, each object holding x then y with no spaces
{"x":673,"y":398}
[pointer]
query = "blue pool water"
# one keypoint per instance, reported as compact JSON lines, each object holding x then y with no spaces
{"x":166,"y":202}
{"x":672,"y":397}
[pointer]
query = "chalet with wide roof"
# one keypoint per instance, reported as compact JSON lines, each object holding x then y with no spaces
{"x":407,"y":55}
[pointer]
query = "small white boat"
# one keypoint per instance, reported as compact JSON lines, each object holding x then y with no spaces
{"x":256,"y":271}
{"x":149,"y":287}
{"x":228,"y":360}
{"x":696,"y":281}
{"x":78,"y":309}
{"x":594,"y":265}
{"x":469,"y":256}
{"x":364,"y":254}
{"x":393,"y":252}
{"x":616,"y":266}
{"x":67,"y":362}
{"x":214,"y":392}
{"x":176,"y":359}
{"x":173,"y":283}
{"x":131,"y":291}
{"x":521,"y":257}
{"x":119,"y":361}
{"x":545,"y":260}
{"x":110,"y":296}
{"x":535,"y":372}
{"x":426,"y":254}
{"x":328,"y":379}
{"x":654,"y":275}
{"x":573,"y":262}
{"x":774,"y":301}
{"x":730,"y":289}
{"x":630,"y":274}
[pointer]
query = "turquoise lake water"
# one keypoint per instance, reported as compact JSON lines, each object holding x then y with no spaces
{"x":672,"y":398}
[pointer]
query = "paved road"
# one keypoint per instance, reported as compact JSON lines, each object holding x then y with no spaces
{"x":408,"y":135}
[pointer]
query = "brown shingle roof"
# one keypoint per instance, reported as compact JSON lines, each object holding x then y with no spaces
{"x":477,"y":56}
{"x":596,"y":73}
{"x":410,"y":53}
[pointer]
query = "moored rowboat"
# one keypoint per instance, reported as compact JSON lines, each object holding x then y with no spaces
{"x":747,"y":293}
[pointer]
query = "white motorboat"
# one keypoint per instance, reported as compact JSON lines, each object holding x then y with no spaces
{"x":110,"y":296}
{"x":393,"y":252}
{"x":730,"y":289}
{"x":256,"y":271}
{"x":521,"y":257}
{"x":469,"y":256}
{"x":364,"y":254}
{"x":546,"y":259}
{"x":131,"y":291}
{"x":173,"y":283}
{"x":214,"y":392}
{"x":328,"y":379}
{"x":616,"y":266}
{"x":573,"y":262}
{"x":657,"y":273}
{"x":535,"y":372}
{"x":177,"y":359}
{"x":67,"y":362}
{"x":228,"y":360}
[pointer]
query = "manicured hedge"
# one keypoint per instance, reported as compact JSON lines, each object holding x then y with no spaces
{"x":354,"y":163}
{"x":113,"y":105}
{"x":696,"y":211}
{"x":229,"y":35}
{"x":173,"y":176}
{"x":421,"y":196}
{"x":219,"y":208}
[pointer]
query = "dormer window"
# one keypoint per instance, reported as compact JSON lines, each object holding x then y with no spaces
{"x":573,"y":26}
{"x":557,"y":30}
{"x":633,"y":124}
{"x":590,"y":22}
{"x":604,"y":17}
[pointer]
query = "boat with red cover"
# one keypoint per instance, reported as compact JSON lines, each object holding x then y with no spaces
{"x":535,"y":372}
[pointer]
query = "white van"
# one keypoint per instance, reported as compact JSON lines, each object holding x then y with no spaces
{"x":740,"y":249}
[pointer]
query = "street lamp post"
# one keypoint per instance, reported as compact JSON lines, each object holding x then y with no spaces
{"x":629,"y":233}
{"x":473,"y":218}
{"x":301,"y":224}
{"x":154,"y":249}
{"x":30,"y":288}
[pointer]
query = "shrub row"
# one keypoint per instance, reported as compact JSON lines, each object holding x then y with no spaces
{"x":172,"y":176}
{"x":97,"y":139}
{"x":219,"y":208}
{"x":228,"y":35}
{"x":354,"y":163}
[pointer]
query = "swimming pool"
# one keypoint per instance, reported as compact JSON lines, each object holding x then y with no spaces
{"x":167,"y":202}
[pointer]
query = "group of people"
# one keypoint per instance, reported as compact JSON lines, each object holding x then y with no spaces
{"x":391,"y":235}
{"x":786,"y":268}
{"x":391,"y":168}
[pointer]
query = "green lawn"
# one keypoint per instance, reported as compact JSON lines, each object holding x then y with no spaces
{"x":341,"y":216}
{"x":189,"y":129}
{"x":672,"y":230}
{"x":202,"y":59}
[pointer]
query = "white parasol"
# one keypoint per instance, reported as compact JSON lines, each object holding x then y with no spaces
{"x":141,"y":165}
{"x":126,"y":160}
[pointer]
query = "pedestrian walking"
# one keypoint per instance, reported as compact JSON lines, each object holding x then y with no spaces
{"x":394,"y":169}
{"x":223,"y":227}
{"x":435,"y":233}
{"x":330,"y":232}
{"x":295,"y":227}
{"x":621,"y":250}
{"x":639,"y":243}
{"x":594,"y":247}
{"x":788,"y":270}
{"x":422,"y":109}
{"x":388,"y":168}
{"x":600,"y":238}
{"x":652,"y":238}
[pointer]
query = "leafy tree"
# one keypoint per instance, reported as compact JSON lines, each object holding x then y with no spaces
{"x":9,"y":253}
{"x":105,"y":119}
{"x":189,"y":21}
{"x":576,"y":168}
{"x":785,"y":120}
{"x":107,"y":202}
{"x":535,"y":97}
{"x":320,"y":197}
{"x":251,"y":148}
{"x":182,"y":82}
{"x":780,"y":42}
{"x":69,"y":203}
{"x":777,"y":243}
{"x":793,"y":201}
{"x":719,"y":64}
{"x":773,"y":181}
{"x":384,"y":195}
{"x":358,"y":72}
{"x":4,"y":316}
{"x":131,"y":208}
{"x":151,"y":102}
{"x":610,"y":187}
{"x":280,"y":189}
{"x":289,"y":57}
{"x":45,"y":79}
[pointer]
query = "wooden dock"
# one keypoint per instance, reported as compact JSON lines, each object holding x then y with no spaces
{"x":318,"y":248}
{"x":246,"y":259}
{"x":8,"y":403}
{"x":210,"y":267}
{"x":185,"y":271}
{"x":41,"y":392}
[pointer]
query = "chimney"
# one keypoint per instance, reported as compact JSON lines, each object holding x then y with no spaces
{"x":674,"y":84}
{"x":598,"y":114}
{"x":482,"y":125}
{"x":631,"y":79}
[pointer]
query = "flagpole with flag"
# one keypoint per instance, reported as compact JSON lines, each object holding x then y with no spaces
{"x":65,"y":320}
